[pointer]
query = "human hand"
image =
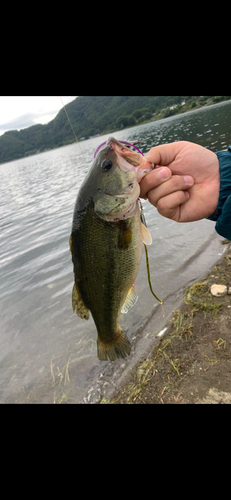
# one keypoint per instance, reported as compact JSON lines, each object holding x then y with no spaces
{"x":185,"y":184}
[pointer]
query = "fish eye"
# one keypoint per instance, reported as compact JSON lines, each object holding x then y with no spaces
{"x":106,"y":165}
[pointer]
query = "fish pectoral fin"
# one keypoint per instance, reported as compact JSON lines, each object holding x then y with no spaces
{"x":78,"y":304}
{"x":130,"y":301}
{"x":146,"y":235}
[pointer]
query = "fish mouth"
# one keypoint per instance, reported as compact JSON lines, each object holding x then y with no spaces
{"x":128,"y":160}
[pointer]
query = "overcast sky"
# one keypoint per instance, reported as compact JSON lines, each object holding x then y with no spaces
{"x":21,"y":112}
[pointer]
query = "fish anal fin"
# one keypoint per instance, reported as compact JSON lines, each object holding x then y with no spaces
{"x":146,"y":235}
{"x":78,"y":304}
{"x":130,"y":300}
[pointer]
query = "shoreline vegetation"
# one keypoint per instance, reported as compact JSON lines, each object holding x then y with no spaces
{"x":192,"y":362}
{"x":93,"y":116}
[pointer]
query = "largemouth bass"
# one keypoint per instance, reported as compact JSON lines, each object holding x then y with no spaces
{"x":106,"y":243}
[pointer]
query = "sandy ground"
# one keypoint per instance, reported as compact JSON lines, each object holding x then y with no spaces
{"x":192,"y":363}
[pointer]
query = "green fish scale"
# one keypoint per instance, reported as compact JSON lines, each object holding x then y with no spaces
{"x":106,"y":258}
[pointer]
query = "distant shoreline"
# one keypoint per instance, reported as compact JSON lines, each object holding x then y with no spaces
{"x":183,"y":111}
{"x":189,"y":111}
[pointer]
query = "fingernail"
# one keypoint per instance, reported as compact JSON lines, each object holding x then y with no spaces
{"x":163,"y":174}
{"x":188,"y":179}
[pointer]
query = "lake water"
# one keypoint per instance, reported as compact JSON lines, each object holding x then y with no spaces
{"x":47,"y":353}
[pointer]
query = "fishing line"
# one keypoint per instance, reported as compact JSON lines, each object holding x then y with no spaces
{"x":70,"y":123}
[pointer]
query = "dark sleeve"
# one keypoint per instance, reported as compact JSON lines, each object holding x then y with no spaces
{"x":223,"y":211}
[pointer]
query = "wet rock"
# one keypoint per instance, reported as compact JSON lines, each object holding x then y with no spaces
{"x":215,"y":397}
{"x":218,"y":290}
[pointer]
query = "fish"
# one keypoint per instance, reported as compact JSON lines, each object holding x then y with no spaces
{"x":106,"y":243}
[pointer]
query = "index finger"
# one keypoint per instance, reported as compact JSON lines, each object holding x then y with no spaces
{"x":165,"y":154}
{"x":153,"y":179}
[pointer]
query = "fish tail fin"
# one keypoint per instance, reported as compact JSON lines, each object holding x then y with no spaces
{"x":118,"y":348}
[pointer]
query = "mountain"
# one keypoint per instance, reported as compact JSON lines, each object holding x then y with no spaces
{"x":91,"y":115}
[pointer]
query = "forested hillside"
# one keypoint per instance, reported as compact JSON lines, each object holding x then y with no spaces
{"x":92,"y":115}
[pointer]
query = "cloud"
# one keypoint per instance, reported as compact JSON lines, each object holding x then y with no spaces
{"x":27,"y":120}
{"x":20,"y":122}
{"x":37,"y":110}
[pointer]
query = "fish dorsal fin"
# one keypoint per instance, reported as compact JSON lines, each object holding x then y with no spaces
{"x":146,"y":235}
{"x":130,"y":300}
